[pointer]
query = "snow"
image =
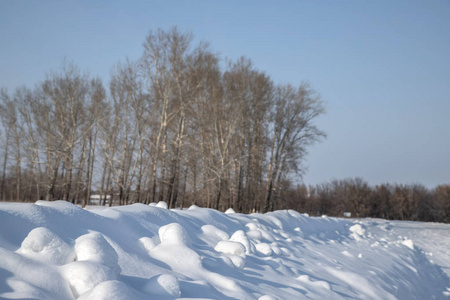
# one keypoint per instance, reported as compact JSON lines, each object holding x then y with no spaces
{"x":264,"y":249}
{"x":43,"y":245}
{"x":230,"y":211}
{"x":162,"y":204}
{"x":163,"y":285}
{"x":55,"y":250}
{"x":109,"y":290}
{"x":174,"y":233}
{"x":83,"y":276}
{"x":93,"y":247}
{"x":409,"y":244}
{"x":230,"y":247}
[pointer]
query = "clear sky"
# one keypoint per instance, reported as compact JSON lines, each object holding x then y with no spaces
{"x":382,"y":67}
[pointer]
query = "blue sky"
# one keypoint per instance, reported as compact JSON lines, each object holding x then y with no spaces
{"x":382,"y":67}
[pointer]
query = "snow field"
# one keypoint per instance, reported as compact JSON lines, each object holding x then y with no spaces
{"x":54,"y":250}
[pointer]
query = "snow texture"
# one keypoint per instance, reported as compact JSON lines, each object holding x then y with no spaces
{"x":55,"y":250}
{"x":163,"y":285}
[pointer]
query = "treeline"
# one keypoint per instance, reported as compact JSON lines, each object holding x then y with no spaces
{"x":388,"y":201}
{"x":176,"y":125}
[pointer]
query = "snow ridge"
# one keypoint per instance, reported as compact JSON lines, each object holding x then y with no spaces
{"x":55,"y":250}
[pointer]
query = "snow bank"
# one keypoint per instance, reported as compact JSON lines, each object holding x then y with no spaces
{"x":55,"y":250}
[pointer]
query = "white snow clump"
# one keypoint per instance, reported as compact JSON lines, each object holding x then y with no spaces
{"x":264,"y":249}
{"x":230,"y":247}
{"x":357,"y":232}
{"x":83,"y":276}
{"x":241,"y":237}
{"x":409,"y":244}
{"x":42,"y":244}
{"x":214,"y":232}
{"x":174,"y":234}
{"x":108,"y":290}
{"x":230,"y":211}
{"x":267,"y":297}
{"x":162,"y":204}
{"x":163,"y":285}
{"x":94,"y":247}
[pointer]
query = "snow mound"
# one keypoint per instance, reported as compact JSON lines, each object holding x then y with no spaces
{"x":255,"y":235}
{"x":95,"y":248}
{"x":409,"y":244}
{"x":267,"y":297}
{"x":322,"y":284}
{"x":230,"y":211}
{"x":264,"y":249}
{"x":213,"y":231}
{"x":357,"y":232}
{"x":230,"y":247}
{"x":163,"y":285}
{"x":42,"y":244}
{"x":84,"y":276}
{"x":174,"y":233}
{"x":147,"y":243}
{"x":108,"y":290}
{"x":162,"y":204}
{"x":237,"y":260}
{"x":241,"y":237}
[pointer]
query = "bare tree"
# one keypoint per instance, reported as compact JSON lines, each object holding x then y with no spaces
{"x":10,"y":116}
{"x":155,"y":68}
{"x":293,"y":126}
{"x":173,"y":126}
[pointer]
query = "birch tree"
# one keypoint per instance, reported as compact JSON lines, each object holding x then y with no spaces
{"x":293,"y":129}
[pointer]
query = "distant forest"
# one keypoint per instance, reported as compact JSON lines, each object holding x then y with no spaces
{"x":183,"y":126}
{"x":412,"y":202}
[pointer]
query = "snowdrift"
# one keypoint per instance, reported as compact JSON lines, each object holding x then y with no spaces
{"x":55,"y":250}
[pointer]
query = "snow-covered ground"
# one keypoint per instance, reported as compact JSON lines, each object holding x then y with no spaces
{"x":55,"y":250}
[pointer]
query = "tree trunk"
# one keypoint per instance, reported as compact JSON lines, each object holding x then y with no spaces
{"x":219,"y":194}
{"x":4,"y":168}
{"x":51,"y":190}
